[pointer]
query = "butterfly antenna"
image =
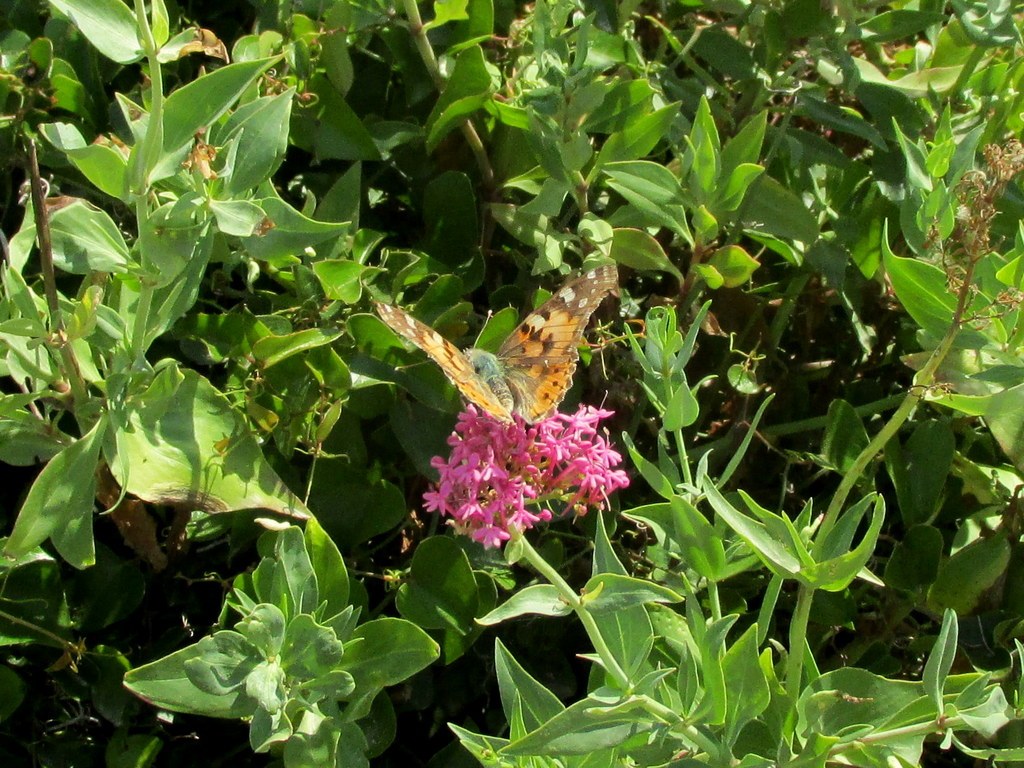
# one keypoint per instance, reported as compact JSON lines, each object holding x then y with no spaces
{"x":490,"y":314}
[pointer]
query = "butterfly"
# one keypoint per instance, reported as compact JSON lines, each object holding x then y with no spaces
{"x":533,"y":368}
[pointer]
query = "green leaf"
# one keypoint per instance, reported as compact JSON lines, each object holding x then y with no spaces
{"x":516,"y":685}
{"x":986,"y":717}
{"x":33,"y":608}
{"x":734,"y":264}
{"x":650,"y":471}
{"x":483,"y":748}
{"x":260,"y":132}
{"x":264,"y":627}
{"x":311,"y":651}
{"x":450,"y":209}
{"x":638,"y":137}
{"x":839,"y":118}
{"x":834,"y":572}
{"x":701,"y":545}
{"x":772,"y":208}
{"x":539,"y":600}
{"x":851,"y":701}
{"x":561,"y":154}
{"x":743,"y":149}
{"x":534,"y":230}
{"x":916,"y":85}
{"x":385,"y":652}
{"x":747,"y":693}
{"x":914,"y":563}
{"x":194,"y":106}
{"x":681,"y":410}
{"x":653,"y":191}
{"x":339,"y":132}
{"x":440,"y":592}
{"x":288,"y":232}
{"x":916,"y":162}
{"x":468,"y":88}
{"x":637,"y":249}
{"x":919,"y":470}
{"x":612,"y":592}
{"x":60,"y":503}
{"x":702,"y":160}
{"x":328,"y":567}
{"x":774,"y":551}
{"x":236,"y":217}
{"x":586,"y":727}
{"x":271,"y":350}
{"x":737,"y":185}
{"x":336,"y":60}
{"x":174,"y":243}
{"x":990,"y":23}
{"x":446,"y":11}
{"x":894,"y":25}
{"x":102,"y":164}
{"x":161,"y":24}
{"x":107,"y":24}
{"x":921,"y":288}
{"x":324,"y":746}
{"x":969,"y":573}
{"x":12,"y":692}
{"x":479,"y":22}
{"x":185,"y":445}
{"x":132,"y":751}
{"x":297,"y":569}
{"x":1002,"y":415}
{"x":845,"y":437}
{"x":85,"y":239}
{"x":940,"y":660}
{"x":166,"y":682}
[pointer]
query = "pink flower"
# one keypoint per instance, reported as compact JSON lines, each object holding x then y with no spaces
{"x":502,"y":476}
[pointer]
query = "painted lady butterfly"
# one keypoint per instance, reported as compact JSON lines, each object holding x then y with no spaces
{"x":534,"y":366}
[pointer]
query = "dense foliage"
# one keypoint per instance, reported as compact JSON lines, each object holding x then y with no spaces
{"x":221,"y":509}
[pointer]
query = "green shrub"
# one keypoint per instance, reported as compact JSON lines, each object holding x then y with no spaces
{"x":219,"y":455}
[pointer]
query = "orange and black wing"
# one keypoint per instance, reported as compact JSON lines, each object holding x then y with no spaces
{"x":452,"y":361}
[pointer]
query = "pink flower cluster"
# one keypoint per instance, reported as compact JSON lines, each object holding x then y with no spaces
{"x":496,"y":469}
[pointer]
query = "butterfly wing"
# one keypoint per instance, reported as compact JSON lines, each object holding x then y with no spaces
{"x":452,"y":361}
{"x":539,"y":357}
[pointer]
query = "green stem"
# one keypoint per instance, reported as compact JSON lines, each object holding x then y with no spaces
{"x":879,"y":737}
{"x":581,"y":194}
{"x":145,"y":302}
{"x":684,"y":460}
{"x":892,"y":734}
{"x":152,"y":143}
{"x":798,"y":641}
{"x":59,"y":641}
{"x":817,"y":423}
{"x":69,"y":363}
{"x":574,"y":601}
{"x":924,"y":379}
{"x":150,"y":149}
{"x":716,"y":601}
{"x":968,"y":68}
{"x":419,"y":38}
{"x":667,"y":715}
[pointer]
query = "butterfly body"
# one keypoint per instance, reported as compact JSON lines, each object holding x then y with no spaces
{"x":533,"y":368}
{"x":489,"y":368}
